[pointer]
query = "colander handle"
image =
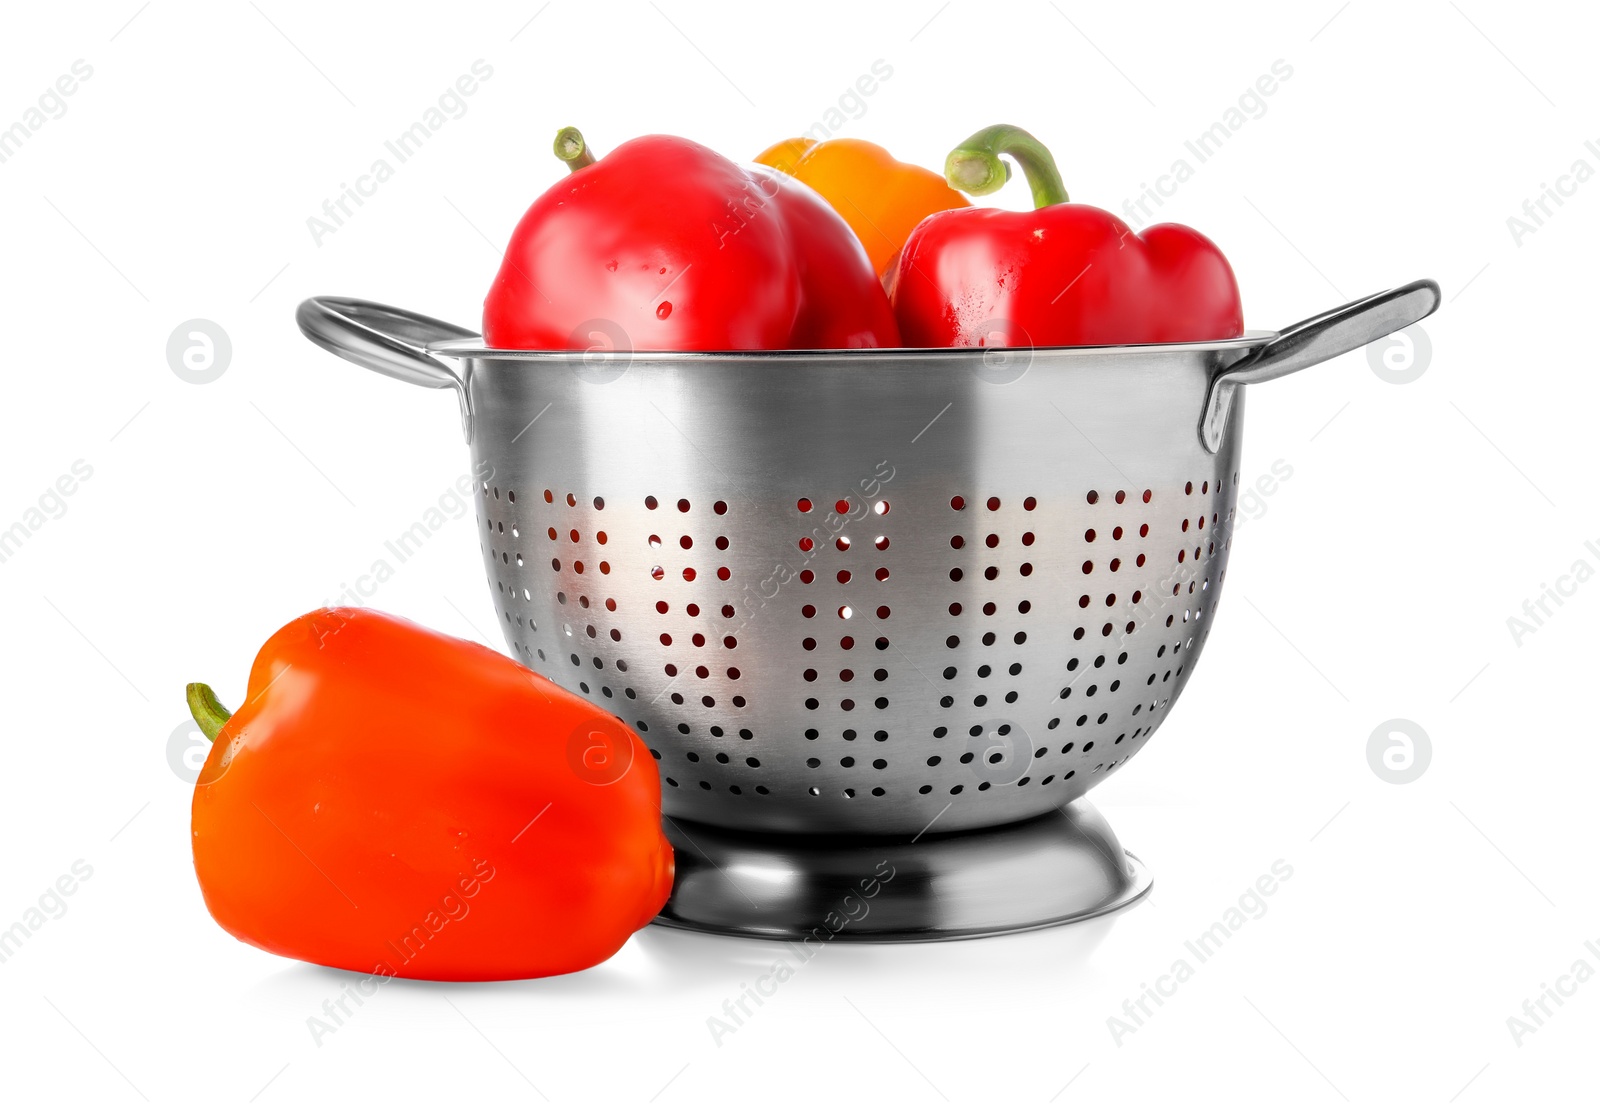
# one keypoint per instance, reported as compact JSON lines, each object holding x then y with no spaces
{"x":1313,"y":341}
{"x":388,"y":340}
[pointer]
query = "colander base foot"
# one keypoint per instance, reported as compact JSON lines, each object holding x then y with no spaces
{"x":1063,"y":866}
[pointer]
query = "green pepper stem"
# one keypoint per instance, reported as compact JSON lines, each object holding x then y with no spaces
{"x":571,"y":148}
{"x":207,"y":711}
{"x":975,"y":166}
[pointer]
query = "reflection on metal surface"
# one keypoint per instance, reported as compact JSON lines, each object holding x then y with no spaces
{"x":1060,"y":867}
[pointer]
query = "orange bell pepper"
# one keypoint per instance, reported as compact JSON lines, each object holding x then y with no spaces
{"x":395,"y":801}
{"x":785,"y":154}
{"x":882,"y":199}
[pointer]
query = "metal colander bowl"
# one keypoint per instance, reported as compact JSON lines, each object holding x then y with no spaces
{"x":860,"y":591}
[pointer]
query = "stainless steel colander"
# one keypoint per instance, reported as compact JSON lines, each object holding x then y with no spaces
{"x":860,"y":592}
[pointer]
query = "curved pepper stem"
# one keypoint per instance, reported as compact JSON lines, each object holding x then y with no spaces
{"x":207,"y":711}
{"x":975,"y":167}
{"x":571,"y":148}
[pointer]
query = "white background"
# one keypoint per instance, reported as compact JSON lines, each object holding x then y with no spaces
{"x":1376,"y":582}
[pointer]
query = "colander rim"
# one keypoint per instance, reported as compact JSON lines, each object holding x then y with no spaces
{"x":472,"y":348}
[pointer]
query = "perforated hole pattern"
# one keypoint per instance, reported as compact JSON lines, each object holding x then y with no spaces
{"x":987,"y":655}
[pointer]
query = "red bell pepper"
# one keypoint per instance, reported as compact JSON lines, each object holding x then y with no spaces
{"x":1063,"y":274}
{"x":664,"y":244}
{"x":399,"y":802}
